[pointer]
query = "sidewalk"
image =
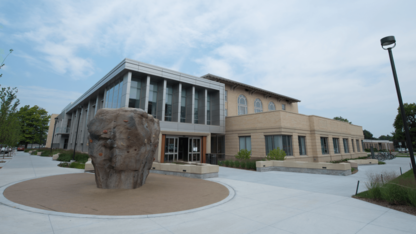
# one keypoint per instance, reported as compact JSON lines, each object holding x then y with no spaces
{"x":286,"y":203}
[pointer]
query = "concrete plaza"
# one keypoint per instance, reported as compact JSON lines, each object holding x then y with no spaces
{"x":267,"y":202}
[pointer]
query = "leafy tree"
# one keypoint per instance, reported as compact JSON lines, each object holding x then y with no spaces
{"x":388,"y":137}
{"x":368,"y":135}
{"x":276,"y":154}
{"x":342,"y":119}
{"x":34,"y":124}
{"x":399,"y":134}
{"x":9,"y":122}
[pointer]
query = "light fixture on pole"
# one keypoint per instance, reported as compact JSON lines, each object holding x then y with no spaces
{"x":386,"y":43}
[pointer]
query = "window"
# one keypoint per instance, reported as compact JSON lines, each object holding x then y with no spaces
{"x":226,"y":95}
{"x":113,"y":96}
{"x":168,"y":103}
{"x":346,"y":148}
{"x":151,"y":109}
{"x":208,"y":110}
{"x":245,"y":143}
{"x":324,"y":145}
{"x":283,"y":107}
{"x":302,"y":145}
{"x":272,"y":107}
{"x":282,"y":141}
{"x":362,"y":144}
{"x":226,"y":112}
{"x":242,"y":105}
{"x":196,"y":108}
{"x":258,"y":107}
{"x":358,"y":145}
{"x":352,"y":143}
{"x":134,"y":99}
{"x":183,"y":106}
{"x":336,"y":145}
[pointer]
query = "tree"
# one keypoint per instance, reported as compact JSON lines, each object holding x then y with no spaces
{"x":399,"y":134}
{"x":342,"y":119}
{"x":34,"y":124}
{"x":9,"y":122}
{"x":368,"y":135}
{"x":388,"y":137}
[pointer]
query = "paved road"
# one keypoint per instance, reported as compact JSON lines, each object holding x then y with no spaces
{"x":270,"y":202}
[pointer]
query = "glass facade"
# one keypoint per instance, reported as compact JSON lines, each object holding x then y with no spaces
{"x":245,"y":142}
{"x":208,"y":110}
{"x":152,"y":99}
{"x":183,"y":106}
{"x":336,"y":145}
{"x":113,"y":95}
{"x":168,"y":103}
{"x":282,"y":141}
{"x":196,"y":108}
{"x":135,"y":88}
{"x":302,"y":145}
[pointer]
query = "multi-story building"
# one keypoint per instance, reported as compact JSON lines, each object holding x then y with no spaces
{"x":209,"y":114}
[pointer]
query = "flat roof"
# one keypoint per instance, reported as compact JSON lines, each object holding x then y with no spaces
{"x":249,"y":87}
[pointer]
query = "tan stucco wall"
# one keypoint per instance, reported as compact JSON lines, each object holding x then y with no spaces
{"x":50,"y":130}
{"x":279,"y":122}
{"x":232,"y":101}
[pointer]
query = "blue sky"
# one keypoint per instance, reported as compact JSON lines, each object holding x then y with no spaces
{"x":325,"y":53}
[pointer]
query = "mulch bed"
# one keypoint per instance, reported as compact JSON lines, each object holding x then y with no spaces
{"x":403,"y":208}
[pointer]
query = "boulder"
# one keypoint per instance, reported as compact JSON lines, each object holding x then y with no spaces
{"x":122,"y":145}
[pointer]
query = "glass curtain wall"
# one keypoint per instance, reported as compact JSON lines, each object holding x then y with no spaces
{"x":183,"y":106}
{"x":302,"y":145}
{"x":168,"y":104}
{"x":336,"y":145}
{"x":196,"y":108}
{"x":208,"y":110}
{"x":282,"y":141}
{"x":346,"y":149}
{"x":113,"y":96}
{"x":134,"y":99}
{"x":151,"y":109}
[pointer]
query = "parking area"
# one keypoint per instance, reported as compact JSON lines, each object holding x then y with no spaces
{"x":268,"y":202}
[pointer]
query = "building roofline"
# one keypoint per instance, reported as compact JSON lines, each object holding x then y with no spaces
{"x":251,"y":88}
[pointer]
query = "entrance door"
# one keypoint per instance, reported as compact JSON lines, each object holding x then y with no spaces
{"x":194,"y":153}
{"x":171,"y":149}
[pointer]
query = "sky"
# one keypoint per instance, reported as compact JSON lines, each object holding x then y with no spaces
{"x":325,"y":53}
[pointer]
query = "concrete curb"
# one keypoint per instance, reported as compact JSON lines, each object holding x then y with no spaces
{"x":6,"y":202}
{"x":185,"y":174}
{"x":306,"y":170}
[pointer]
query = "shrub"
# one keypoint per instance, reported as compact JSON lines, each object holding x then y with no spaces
{"x":232,"y":164}
{"x":411,"y":194}
{"x":220,"y":163}
{"x":26,"y":150}
{"x":237,"y":164}
{"x":227,"y":163}
{"x":276,"y":154}
{"x":243,"y":154}
{"x":243,"y":164}
{"x":64,"y":157}
{"x":395,"y":194}
{"x":251,"y":165}
{"x":77,"y":165}
{"x":82,"y":158}
{"x":34,"y":152}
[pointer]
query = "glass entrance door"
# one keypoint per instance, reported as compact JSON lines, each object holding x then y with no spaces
{"x":194,"y":152}
{"x":171,"y":149}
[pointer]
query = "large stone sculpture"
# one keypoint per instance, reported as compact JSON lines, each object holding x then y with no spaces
{"x":122,"y":145}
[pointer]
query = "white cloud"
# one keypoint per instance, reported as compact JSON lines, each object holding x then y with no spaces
{"x":52,"y":100}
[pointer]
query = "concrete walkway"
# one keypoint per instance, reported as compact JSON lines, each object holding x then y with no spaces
{"x":268,"y":202}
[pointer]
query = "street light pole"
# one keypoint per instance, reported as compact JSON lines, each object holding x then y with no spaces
{"x":76,"y":135}
{"x":385,"y":42}
{"x":53,"y":136}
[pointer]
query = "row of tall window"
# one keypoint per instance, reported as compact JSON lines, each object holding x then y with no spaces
{"x":335,"y":142}
{"x":285,"y":142}
{"x":113,"y":95}
{"x":258,"y":105}
{"x":135,"y":97}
